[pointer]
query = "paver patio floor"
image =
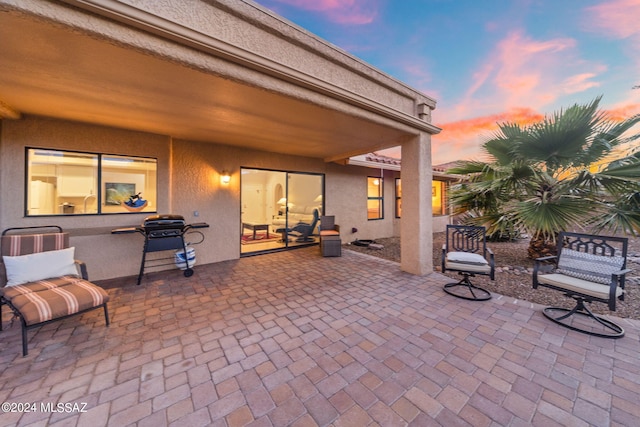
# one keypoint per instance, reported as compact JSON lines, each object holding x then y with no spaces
{"x":294,"y":339}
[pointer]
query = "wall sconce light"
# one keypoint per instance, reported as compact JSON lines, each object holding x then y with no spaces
{"x":225,"y":177}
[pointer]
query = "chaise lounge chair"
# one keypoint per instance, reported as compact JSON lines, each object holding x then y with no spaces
{"x":41,"y":282}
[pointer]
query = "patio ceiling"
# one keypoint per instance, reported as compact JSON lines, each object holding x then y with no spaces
{"x":52,"y":70}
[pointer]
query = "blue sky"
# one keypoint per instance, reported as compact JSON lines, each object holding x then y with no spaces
{"x":488,"y":61}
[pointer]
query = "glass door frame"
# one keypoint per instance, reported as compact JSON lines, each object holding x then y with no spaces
{"x":288,"y":242}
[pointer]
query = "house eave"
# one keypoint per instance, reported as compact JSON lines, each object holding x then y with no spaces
{"x":143,"y":20}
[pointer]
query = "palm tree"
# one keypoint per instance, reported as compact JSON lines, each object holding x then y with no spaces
{"x":552,"y":176}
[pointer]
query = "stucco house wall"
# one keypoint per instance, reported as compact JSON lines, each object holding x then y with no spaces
{"x":347,"y":199}
{"x":188,"y":182}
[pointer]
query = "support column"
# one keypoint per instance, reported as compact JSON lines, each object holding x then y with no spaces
{"x":416,"y":224}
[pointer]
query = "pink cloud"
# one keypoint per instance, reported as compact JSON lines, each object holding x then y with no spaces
{"x":617,"y":18}
{"x":622,"y":112}
{"x":579,"y":83}
{"x":351,"y":12}
{"x":524,"y":68}
{"x":462,"y":139}
{"x":523,"y":71}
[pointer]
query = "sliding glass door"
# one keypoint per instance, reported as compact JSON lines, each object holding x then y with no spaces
{"x":279,"y":209}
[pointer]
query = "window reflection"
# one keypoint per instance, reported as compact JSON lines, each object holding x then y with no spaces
{"x":68,"y":183}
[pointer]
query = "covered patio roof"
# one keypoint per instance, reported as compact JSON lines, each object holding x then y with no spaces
{"x":248,"y":78}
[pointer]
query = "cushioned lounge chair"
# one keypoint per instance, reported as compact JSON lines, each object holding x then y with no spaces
{"x":41,"y":282}
{"x":303,"y":232}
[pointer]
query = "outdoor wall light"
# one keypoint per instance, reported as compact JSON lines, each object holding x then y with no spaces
{"x":225,"y":177}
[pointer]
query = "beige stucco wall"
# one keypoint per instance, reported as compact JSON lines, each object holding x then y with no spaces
{"x":346,"y":198}
{"x":188,"y":181}
{"x":106,"y":255}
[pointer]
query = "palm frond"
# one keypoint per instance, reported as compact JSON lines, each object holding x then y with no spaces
{"x":622,"y":216}
{"x":557,"y":139}
{"x":608,"y":135}
{"x":547,"y":218}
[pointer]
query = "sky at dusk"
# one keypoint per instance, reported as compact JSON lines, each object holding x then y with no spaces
{"x":488,"y":61}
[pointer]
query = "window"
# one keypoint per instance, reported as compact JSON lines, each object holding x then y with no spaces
{"x":438,"y":197}
{"x":374,"y":198}
{"x":71,"y":183}
{"x":398,"y":198}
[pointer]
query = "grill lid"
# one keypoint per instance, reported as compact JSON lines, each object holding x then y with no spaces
{"x":163,"y":222}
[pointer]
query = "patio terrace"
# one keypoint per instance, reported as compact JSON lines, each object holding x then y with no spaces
{"x":294,"y":339}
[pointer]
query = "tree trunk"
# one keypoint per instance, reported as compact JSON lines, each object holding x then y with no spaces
{"x":541,"y":247}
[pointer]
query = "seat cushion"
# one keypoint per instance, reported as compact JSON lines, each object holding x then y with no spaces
{"x":472,"y":268}
{"x":50,"y":299}
{"x":329,"y":233}
{"x":573,"y":284}
{"x":466,"y":258}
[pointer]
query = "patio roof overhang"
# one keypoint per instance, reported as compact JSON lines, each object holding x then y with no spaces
{"x":112,"y":64}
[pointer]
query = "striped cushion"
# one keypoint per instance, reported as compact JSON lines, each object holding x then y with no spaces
{"x":49,"y":299}
{"x":590,"y":267}
{"x":25,"y":244}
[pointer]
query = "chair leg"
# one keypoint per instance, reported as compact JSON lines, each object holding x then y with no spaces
{"x":106,"y":314}
{"x":593,"y":325}
{"x":466,"y":290}
{"x":25,"y":350}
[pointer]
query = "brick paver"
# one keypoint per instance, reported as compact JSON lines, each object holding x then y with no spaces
{"x":295,"y":339}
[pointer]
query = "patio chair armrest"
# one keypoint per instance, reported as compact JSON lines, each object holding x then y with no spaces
{"x":491,"y":255}
{"x":82,"y":268}
{"x":492,"y":263}
{"x":617,"y":277}
{"x":536,"y":267}
{"x":621,"y":272}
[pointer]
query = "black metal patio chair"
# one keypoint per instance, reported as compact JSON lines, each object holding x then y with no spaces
{"x":465,"y":252}
{"x":588,"y":268}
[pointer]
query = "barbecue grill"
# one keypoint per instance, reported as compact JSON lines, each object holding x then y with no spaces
{"x":163,"y":233}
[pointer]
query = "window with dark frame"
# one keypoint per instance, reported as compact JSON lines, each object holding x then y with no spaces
{"x":60,"y":182}
{"x":375,"y":198}
{"x":398,"y":198}
{"x":438,"y":197}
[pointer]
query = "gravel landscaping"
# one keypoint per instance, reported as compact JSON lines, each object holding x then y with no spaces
{"x":513,"y":274}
